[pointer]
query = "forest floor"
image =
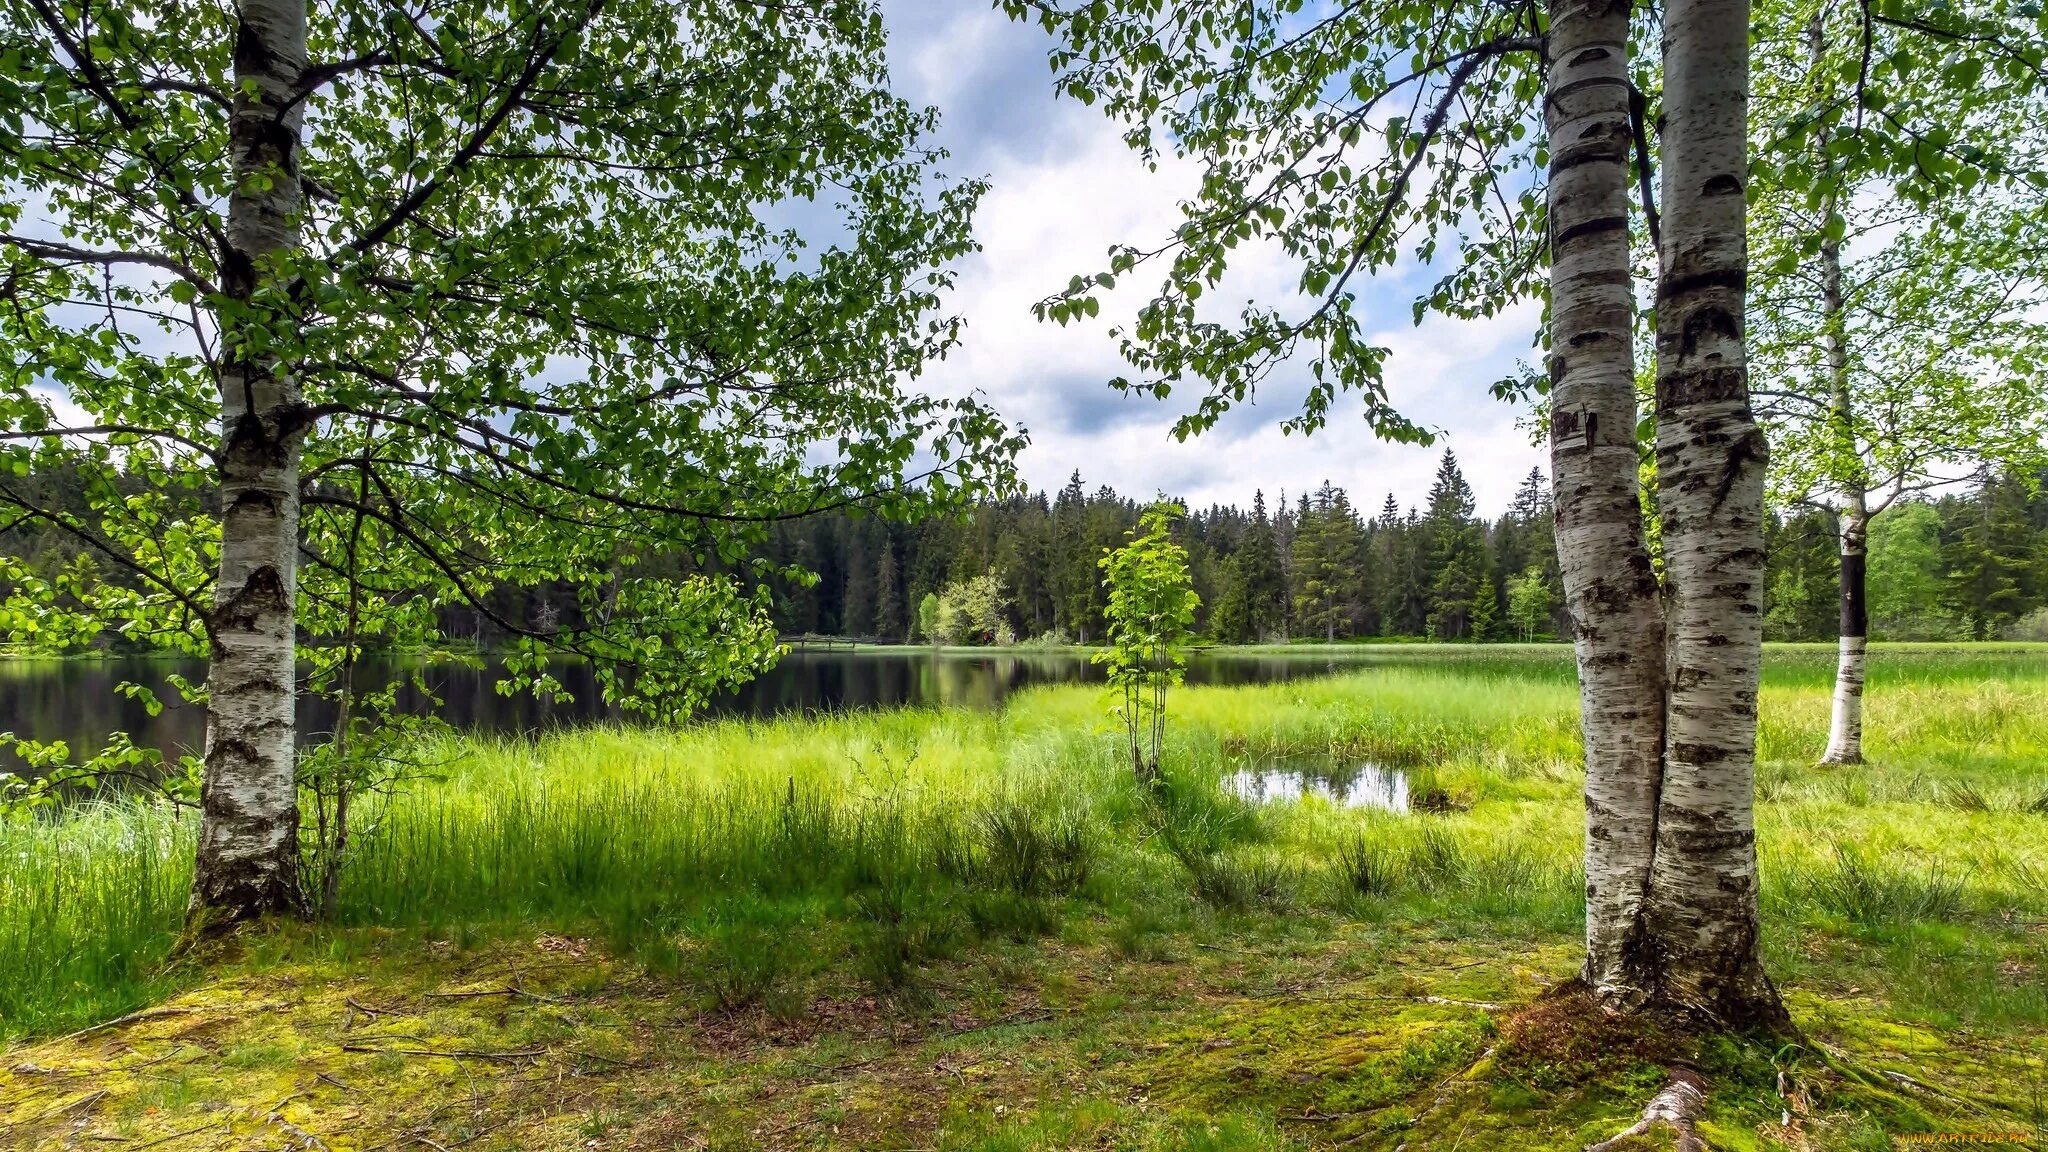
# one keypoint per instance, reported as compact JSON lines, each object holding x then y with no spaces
{"x":987,"y":944}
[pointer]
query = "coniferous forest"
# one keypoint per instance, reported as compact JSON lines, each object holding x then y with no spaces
{"x":1970,"y":564}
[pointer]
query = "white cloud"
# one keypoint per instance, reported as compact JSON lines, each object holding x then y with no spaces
{"x":1064,"y":188}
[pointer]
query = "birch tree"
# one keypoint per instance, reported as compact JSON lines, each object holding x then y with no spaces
{"x":1270,"y":99}
{"x":1701,"y":921}
{"x":1897,"y":295}
{"x":543,"y":250}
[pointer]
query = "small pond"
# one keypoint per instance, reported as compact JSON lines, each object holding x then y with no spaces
{"x":1346,"y":783}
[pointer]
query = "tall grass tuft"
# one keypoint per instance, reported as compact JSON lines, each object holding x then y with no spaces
{"x":90,"y":904}
{"x":1033,"y":849}
{"x":1365,"y":867}
{"x":1864,"y":891}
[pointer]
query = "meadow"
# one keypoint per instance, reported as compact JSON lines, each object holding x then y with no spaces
{"x":971,"y":930}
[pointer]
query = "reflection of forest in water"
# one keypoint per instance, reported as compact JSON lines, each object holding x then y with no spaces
{"x":75,"y":700}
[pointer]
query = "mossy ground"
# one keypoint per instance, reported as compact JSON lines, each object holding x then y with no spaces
{"x":536,"y":958}
{"x":1305,"y":1032}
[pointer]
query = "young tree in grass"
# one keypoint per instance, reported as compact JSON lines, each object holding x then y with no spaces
{"x":1895,"y":304}
{"x":537,"y":248}
{"x":1151,"y":612}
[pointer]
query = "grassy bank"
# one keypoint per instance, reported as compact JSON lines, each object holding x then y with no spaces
{"x":873,"y":930}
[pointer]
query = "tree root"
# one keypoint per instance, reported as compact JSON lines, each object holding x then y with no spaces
{"x":1677,"y":1107}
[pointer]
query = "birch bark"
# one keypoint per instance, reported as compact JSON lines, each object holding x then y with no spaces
{"x":1610,"y":586}
{"x":1702,"y":913}
{"x":1845,"y":728}
{"x":248,"y":842}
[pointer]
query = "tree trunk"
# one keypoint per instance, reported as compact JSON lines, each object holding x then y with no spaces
{"x":248,"y":841}
{"x":1610,"y":586}
{"x":1702,"y":914}
{"x":1845,"y":727}
{"x":1845,"y":730}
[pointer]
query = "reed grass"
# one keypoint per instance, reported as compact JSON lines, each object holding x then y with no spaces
{"x":740,"y":856}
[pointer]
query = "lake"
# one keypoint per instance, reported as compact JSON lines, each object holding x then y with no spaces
{"x":75,"y":701}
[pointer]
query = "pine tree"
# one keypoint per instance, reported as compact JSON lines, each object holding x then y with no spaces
{"x":857,"y":598}
{"x":890,"y":609}
{"x":1325,"y":563}
{"x":1994,"y":555}
{"x":1457,"y":558}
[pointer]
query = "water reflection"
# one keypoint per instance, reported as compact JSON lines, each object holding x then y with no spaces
{"x":75,"y":701}
{"x":1348,"y":784}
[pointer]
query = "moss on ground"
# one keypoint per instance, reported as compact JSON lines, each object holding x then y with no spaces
{"x":1321,"y":1031}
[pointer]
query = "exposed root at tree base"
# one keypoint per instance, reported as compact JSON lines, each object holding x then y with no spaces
{"x":1677,"y":1107}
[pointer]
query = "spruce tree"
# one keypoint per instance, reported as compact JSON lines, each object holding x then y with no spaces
{"x":890,"y":624}
{"x":1457,"y":558}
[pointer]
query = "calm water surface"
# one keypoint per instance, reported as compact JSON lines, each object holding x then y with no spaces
{"x":1347,"y":784}
{"x":75,"y":700}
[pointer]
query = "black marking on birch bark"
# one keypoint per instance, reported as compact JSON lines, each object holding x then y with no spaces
{"x":275,"y":136}
{"x":253,"y":498}
{"x":1599,"y":143}
{"x":261,"y":594}
{"x":250,"y":53}
{"x":1697,"y":754}
{"x":231,"y":747}
{"x":1676,"y":286}
{"x":1584,"y":83}
{"x":1855,"y":621}
{"x":1594,"y":227}
{"x":1714,"y":385}
{"x":238,"y":273}
{"x":251,"y":448}
{"x":1711,"y":320}
{"x":1707,"y":840}
{"x":1751,"y":447}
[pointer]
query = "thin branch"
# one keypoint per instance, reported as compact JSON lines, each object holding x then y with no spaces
{"x":57,"y":252}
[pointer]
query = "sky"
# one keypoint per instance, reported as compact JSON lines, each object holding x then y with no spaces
{"x":1063,"y":189}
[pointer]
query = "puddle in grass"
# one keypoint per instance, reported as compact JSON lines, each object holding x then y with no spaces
{"x":1350,"y":784}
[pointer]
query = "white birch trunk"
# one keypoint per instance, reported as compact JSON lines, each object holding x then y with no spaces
{"x":1711,"y":456}
{"x":1845,"y":726}
{"x":248,"y":843}
{"x":1610,"y":586}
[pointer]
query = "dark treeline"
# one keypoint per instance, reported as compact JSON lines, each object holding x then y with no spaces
{"x":1970,"y":565}
{"x":1311,"y":567}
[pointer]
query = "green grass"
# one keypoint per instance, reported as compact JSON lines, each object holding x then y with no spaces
{"x":753,"y":866}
